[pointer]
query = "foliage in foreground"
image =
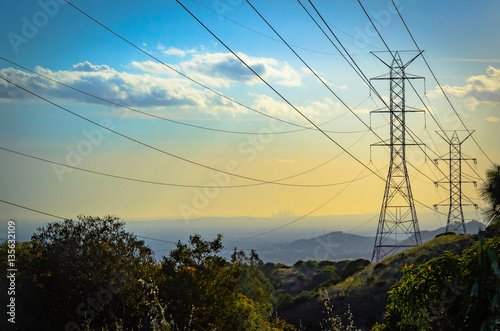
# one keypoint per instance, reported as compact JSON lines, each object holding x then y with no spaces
{"x":451,"y":292}
{"x":91,"y":274}
{"x":490,"y":192}
{"x":195,"y":279}
{"x":80,"y":272}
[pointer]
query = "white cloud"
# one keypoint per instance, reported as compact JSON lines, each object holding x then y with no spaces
{"x":493,"y":119}
{"x":155,"y":68}
{"x":478,"y":90}
{"x":89,"y":67}
{"x":150,"y":84}
{"x":176,"y":51}
{"x":136,"y":90}
{"x":315,"y":110}
{"x":224,"y":69}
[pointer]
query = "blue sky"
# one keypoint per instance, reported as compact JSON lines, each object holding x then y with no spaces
{"x":460,"y":39}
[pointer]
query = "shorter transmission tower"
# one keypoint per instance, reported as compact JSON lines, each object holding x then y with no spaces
{"x":456,"y":220}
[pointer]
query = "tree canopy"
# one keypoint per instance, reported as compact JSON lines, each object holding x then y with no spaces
{"x":91,"y":274}
{"x":204,"y":291}
{"x":82,"y":272}
{"x":490,"y":192}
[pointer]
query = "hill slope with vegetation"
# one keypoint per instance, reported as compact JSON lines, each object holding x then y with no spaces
{"x":364,"y":293}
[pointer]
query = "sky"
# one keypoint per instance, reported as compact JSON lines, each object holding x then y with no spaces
{"x":203,"y":111}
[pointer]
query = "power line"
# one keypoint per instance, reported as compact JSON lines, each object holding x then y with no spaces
{"x":440,"y":87}
{"x":281,"y":95}
{"x":390,"y":52}
{"x":156,"y":239}
{"x":177,"y":71}
{"x":357,"y":69}
{"x":368,"y":82}
{"x":360,"y":73}
{"x":388,"y":49}
{"x":32,"y":209}
{"x":142,"y":143}
{"x":315,"y":74}
{"x":202,"y":85}
{"x":409,"y":216}
{"x":277,"y":182}
{"x":64,"y":218}
{"x":189,"y":78}
{"x":301,"y":217}
{"x":181,"y":73}
{"x":275,"y":91}
{"x":295,"y":246}
{"x":269,"y":37}
{"x":257,"y":32}
{"x":321,"y":206}
{"x":171,"y":120}
{"x":393,"y":56}
{"x":308,"y":67}
{"x":283,"y":98}
{"x":436,"y":120}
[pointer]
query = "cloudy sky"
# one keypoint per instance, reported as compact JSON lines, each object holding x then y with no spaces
{"x":176,"y":115}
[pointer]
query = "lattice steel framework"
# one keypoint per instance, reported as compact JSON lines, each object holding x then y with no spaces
{"x":456,"y":220}
{"x":398,"y":224}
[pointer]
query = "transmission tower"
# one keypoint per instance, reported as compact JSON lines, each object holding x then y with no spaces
{"x":456,"y":221}
{"x":398,"y":223}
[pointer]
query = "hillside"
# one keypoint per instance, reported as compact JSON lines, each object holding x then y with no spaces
{"x":366,"y":291}
{"x":333,"y":246}
{"x":338,"y":245}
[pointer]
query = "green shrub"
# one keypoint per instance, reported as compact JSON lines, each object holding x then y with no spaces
{"x":302,"y":297}
{"x":450,"y":292}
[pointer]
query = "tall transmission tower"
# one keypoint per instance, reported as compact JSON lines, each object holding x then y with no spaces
{"x":456,"y":220}
{"x":398,"y":223}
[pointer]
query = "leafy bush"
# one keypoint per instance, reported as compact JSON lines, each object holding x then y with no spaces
{"x":353,"y":267}
{"x":77,"y":273}
{"x":204,"y":291}
{"x":302,"y":297}
{"x":451,"y":292}
{"x":284,"y":301}
{"x":325,"y":274}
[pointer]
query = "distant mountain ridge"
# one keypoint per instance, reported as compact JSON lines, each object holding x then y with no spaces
{"x":337,"y":245}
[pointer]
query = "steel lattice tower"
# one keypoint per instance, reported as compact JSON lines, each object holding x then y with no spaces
{"x":398,"y":223}
{"x":456,"y":221}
